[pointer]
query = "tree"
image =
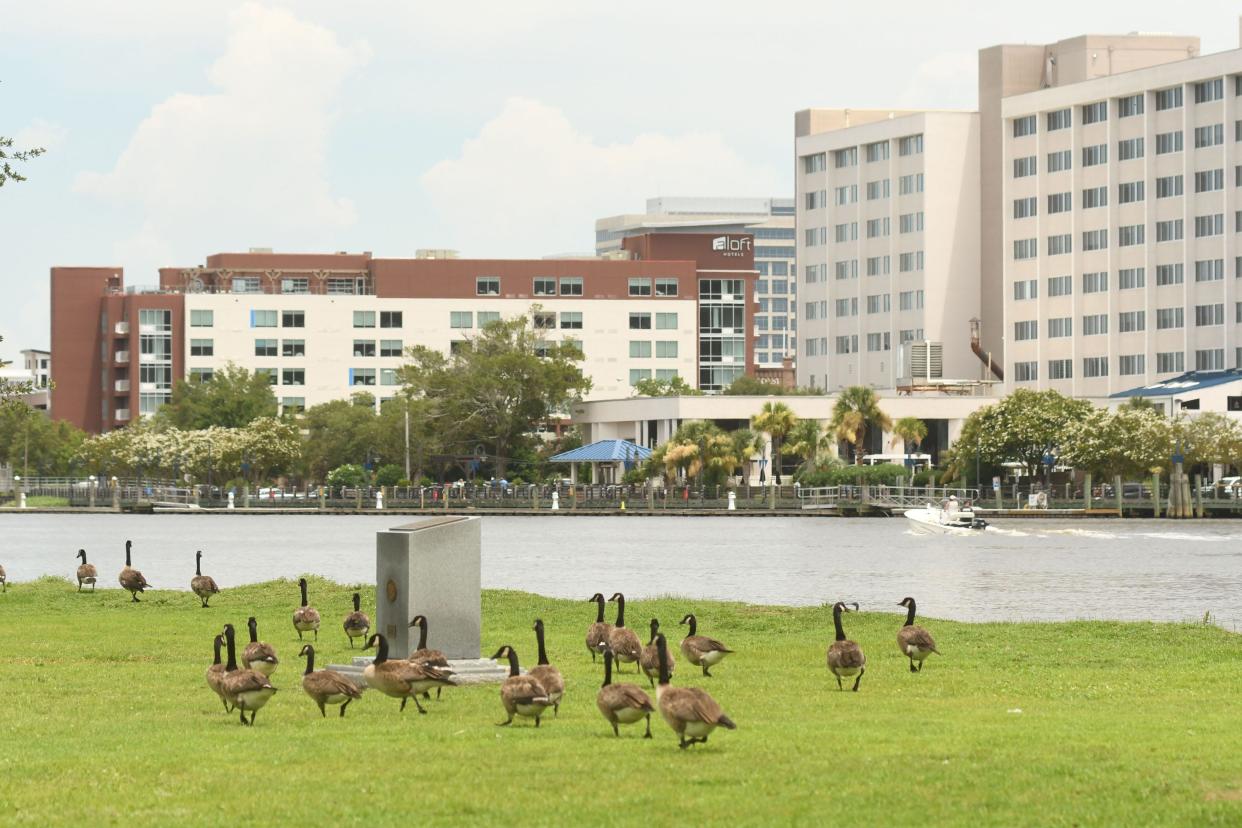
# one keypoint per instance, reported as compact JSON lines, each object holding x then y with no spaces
{"x":776,"y":420}
{"x":8,"y":156}
{"x":496,"y":388}
{"x":32,"y":443}
{"x":425,"y":423}
{"x":1209,"y":438}
{"x":1133,"y":441}
{"x":804,"y":442}
{"x":749,"y":386}
{"x":856,"y":410}
{"x":337,"y":433}
{"x":910,"y":430}
{"x":675,"y":387}
{"x":1021,"y":427}
{"x":232,"y":398}
{"x":350,"y":474}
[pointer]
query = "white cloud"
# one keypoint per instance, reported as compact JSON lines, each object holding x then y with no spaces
{"x":248,"y":161}
{"x":40,"y":133}
{"x":530,"y":183}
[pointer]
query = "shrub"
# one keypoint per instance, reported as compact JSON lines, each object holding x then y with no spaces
{"x":388,"y":475}
{"x":350,"y":474}
{"x":881,"y":474}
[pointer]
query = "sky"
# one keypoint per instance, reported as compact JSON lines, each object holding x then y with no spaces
{"x":176,"y":129}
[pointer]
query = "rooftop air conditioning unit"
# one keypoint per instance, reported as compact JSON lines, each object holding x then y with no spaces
{"x":922,"y":360}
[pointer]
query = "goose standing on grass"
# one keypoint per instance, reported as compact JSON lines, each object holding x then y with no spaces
{"x":259,"y":655}
{"x":305,"y":617}
{"x":204,"y":586}
{"x":423,"y":655}
{"x":215,"y":674}
{"x":690,"y":711}
{"x":597,"y":633}
{"x":700,"y":650}
{"x":327,"y":686}
{"x":521,"y":695}
{"x":401,"y":679}
{"x":4,"y":580}
{"x":546,"y":674}
{"x":624,"y":643}
{"x":622,"y":703}
{"x":357,"y":624}
{"x":845,"y":657}
{"x":649,"y":661}
{"x":246,"y":689}
{"x":914,"y":642}
{"x":87,"y":574}
{"x":131,"y":579}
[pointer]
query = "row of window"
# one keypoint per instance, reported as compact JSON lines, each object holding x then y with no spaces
{"x":875,"y":266}
{"x":1128,"y":278}
{"x":848,"y":157}
{"x":1129,"y":149}
{"x":1167,"y":362}
{"x":1096,"y":324}
{"x":1097,"y":111}
{"x":1128,"y":235}
{"x":876,"y":342}
{"x":641,"y":349}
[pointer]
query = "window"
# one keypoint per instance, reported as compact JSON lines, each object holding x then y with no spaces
{"x":878,"y":265}
{"x":487,"y":317}
{"x":1022,"y":167}
{"x":1212,"y":225}
{"x":388,"y":376}
{"x":1208,"y":315}
{"x":846,"y":232}
{"x":293,"y":376}
{"x":543,"y":320}
{"x":667,"y":285}
{"x":1060,"y":244}
{"x":1173,"y":362}
{"x":202,"y":347}
{"x":263,"y":319}
{"x":1168,"y":186}
{"x":1024,"y":289}
{"x":1095,"y":112}
{"x":666,"y":349}
{"x":879,"y":341}
{"x":877,"y":189}
{"x":265,"y":347}
{"x":667,"y":321}
{"x":1209,"y":270}
{"x":1167,"y":142}
{"x":390,"y":347}
{"x":1129,"y":235}
{"x":1169,"y":230}
{"x":1094,"y":366}
{"x":362,"y":376}
{"x":1170,"y":318}
{"x":1025,"y":371}
{"x":1060,"y":203}
{"x":1058,"y":161}
{"x":1129,"y":278}
{"x":639,"y":349}
{"x":815,"y":199}
{"x":269,"y":373}
{"x":640,"y":286}
{"x":1095,"y":324}
{"x":1129,"y":365}
{"x":1094,"y":239}
{"x":1092,"y":197}
{"x":847,"y":307}
{"x":571,"y":285}
{"x":1210,"y":135}
{"x":846,"y":195}
{"x":1060,"y":369}
{"x":879,"y":303}
{"x":814,"y":163}
{"x":1094,"y":155}
{"x":571,"y":320}
{"x":390,"y":319}
{"x":910,"y":262}
{"x":246,"y":284}
{"x":1207,"y":181}
{"x":293,"y":347}
{"x":1212,"y":359}
{"x":910,"y":300}
{"x":847,"y":269}
{"x":910,"y":145}
{"x":878,"y":228}
{"x":1131,"y":321}
{"x":202,"y":318}
{"x":1130,"y":106}
{"x":847,"y":344}
{"x":543,"y":286}
{"x":1025,"y":248}
{"x":1168,"y":98}
{"x":364,"y":347}
{"x":346,"y":287}
{"x":1060,"y":285}
{"x":640,"y":321}
{"x":364,"y":319}
{"x":909,"y":184}
{"x":487,"y":286}
{"x":201,"y":374}
{"x":293,"y":319}
{"x":1060,"y":326}
{"x":1130,"y":149}
{"x":847,"y":157}
{"x":1130,"y":191}
{"x":1024,"y":126}
{"x":1059,"y":120}
{"x":294,"y":285}
{"x":1028,"y":329}
{"x":1169,"y":274}
{"x":1209,"y":90}
{"x":666,"y":374}
{"x":877,"y":151}
{"x":913,"y":222}
{"x":461,"y":319}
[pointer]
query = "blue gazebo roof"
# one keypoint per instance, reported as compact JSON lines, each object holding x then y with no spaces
{"x":605,"y":451}
{"x":1184,"y":384}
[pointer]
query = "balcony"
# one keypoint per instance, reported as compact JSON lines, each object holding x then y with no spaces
{"x":122,"y":386}
{"x":121,"y":328}
{"x":121,"y":358}
{"x":147,"y":387}
{"x":122,"y":415}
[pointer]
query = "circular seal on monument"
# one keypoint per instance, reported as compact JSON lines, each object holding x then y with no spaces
{"x":391,"y":589}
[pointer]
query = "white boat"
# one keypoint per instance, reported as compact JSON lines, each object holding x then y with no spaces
{"x":955,"y":520}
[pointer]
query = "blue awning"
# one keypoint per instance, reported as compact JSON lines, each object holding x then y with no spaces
{"x":1187,"y":383}
{"x":605,"y":451}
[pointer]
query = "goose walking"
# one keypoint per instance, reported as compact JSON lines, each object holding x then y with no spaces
{"x":521,"y":695}
{"x":327,"y":686}
{"x":624,"y":643}
{"x":700,"y":650}
{"x":131,"y":579}
{"x":401,"y":679}
{"x":546,"y":674}
{"x":649,"y":661}
{"x":204,"y":586}
{"x":597,"y":633}
{"x":622,"y":703}
{"x":357,"y":624}
{"x":690,"y":711}
{"x":424,"y":655}
{"x":215,"y":673}
{"x":305,"y":617}
{"x":914,"y":642}
{"x":845,"y":657}
{"x":87,"y":574}
{"x":246,"y":689}
{"x":259,"y":655}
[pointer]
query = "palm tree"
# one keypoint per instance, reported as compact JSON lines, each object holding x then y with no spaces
{"x":855,"y":411}
{"x":804,"y":442}
{"x":777,"y":420}
{"x":910,"y":430}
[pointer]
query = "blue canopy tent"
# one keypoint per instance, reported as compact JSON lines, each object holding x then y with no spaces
{"x":609,"y":459}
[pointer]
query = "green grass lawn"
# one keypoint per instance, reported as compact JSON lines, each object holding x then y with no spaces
{"x":105,"y":718}
{"x":39,"y":501}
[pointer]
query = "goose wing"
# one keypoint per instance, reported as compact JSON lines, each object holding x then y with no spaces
{"x":917,"y":637}
{"x":523,"y":690}
{"x":331,"y":683}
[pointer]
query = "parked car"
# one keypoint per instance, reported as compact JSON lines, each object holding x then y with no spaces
{"x":1226,"y":487}
{"x":1135,"y":491}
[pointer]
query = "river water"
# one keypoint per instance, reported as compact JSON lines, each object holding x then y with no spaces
{"x":1016,"y":570}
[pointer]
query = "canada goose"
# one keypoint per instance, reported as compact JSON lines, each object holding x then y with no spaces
{"x":305,"y":618}
{"x":845,"y":658}
{"x":246,"y":689}
{"x":259,"y":655}
{"x":521,"y":695}
{"x":401,"y":679}
{"x":546,"y":674}
{"x":215,"y":674}
{"x":624,"y":643}
{"x":4,"y":580}
{"x":327,"y":686}
{"x":130,"y":578}
{"x":423,"y":655}
{"x":87,"y":574}
{"x":701,"y":650}
{"x":204,"y":586}
{"x":914,"y":642}
{"x":649,"y":661}
{"x":597,"y":633}
{"x":357,"y":624}
{"x":690,"y":711}
{"x":622,"y":703}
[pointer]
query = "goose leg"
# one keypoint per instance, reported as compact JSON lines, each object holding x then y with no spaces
{"x":439,"y":690}
{"x":556,"y":710}
{"x":253,"y":713}
{"x":681,"y":742}
{"x":921,"y":663}
{"x":427,"y":694}
{"x":299,"y":633}
{"x":506,"y":722}
{"x":316,"y":633}
{"x":705,"y":672}
{"x":839,"y":687}
{"x":343,"y":706}
{"x":421,"y":709}
{"x":322,"y":711}
{"x":647,"y":735}
{"x":537,"y":718}
{"x":859,"y":679}
{"x":227,"y":709}
{"x":242,"y":714}
{"x":912,"y":667}
{"x":616,"y":731}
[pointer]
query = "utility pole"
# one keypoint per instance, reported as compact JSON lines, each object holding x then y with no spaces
{"x":407,"y":439}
